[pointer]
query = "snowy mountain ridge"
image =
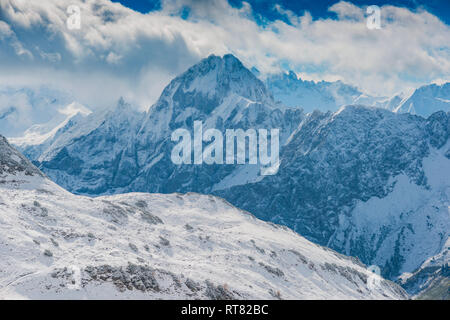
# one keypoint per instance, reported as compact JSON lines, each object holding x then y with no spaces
{"x":41,"y":133}
{"x":330,"y":96}
{"x":24,"y":107}
{"x":325,"y":96}
{"x":426,"y":100}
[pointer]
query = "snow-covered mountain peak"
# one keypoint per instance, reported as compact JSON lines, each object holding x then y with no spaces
{"x":215,"y":78}
{"x":23,"y":107}
{"x":122,"y":106}
{"x":289,"y":76}
{"x":75,"y":108}
{"x":39,"y":133}
{"x":122,"y":113}
{"x":220,"y":89}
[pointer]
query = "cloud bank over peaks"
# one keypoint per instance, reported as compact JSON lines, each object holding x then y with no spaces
{"x":120,"y":52}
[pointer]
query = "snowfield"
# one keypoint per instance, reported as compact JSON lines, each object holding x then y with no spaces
{"x":54,"y":244}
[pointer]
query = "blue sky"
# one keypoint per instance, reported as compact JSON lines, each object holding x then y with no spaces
{"x":317,"y":8}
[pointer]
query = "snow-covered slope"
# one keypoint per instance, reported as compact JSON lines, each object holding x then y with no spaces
{"x":426,"y":100}
{"x":13,"y":163}
{"x":55,"y":244}
{"x":388,"y":103}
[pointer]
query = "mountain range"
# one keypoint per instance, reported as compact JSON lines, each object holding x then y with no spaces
{"x":36,"y":110}
{"x":325,"y":96}
{"x":363,"y":180}
{"x":293,"y":91}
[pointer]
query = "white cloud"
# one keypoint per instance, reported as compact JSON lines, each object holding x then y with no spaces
{"x":113,"y":58}
{"x":120,"y":52}
{"x":5,"y":30}
{"x":347,"y":11}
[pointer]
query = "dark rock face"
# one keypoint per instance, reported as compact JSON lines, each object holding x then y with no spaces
{"x":333,"y":160}
{"x":13,"y":162}
{"x":432,"y":282}
{"x":136,"y":277}
{"x":438,"y":128}
{"x":145,"y":279}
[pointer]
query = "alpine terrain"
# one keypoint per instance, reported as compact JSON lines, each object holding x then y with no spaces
{"x":55,"y":244}
{"x":365,"y":181}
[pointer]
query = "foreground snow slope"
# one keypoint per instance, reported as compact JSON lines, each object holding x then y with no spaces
{"x":55,"y":244}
